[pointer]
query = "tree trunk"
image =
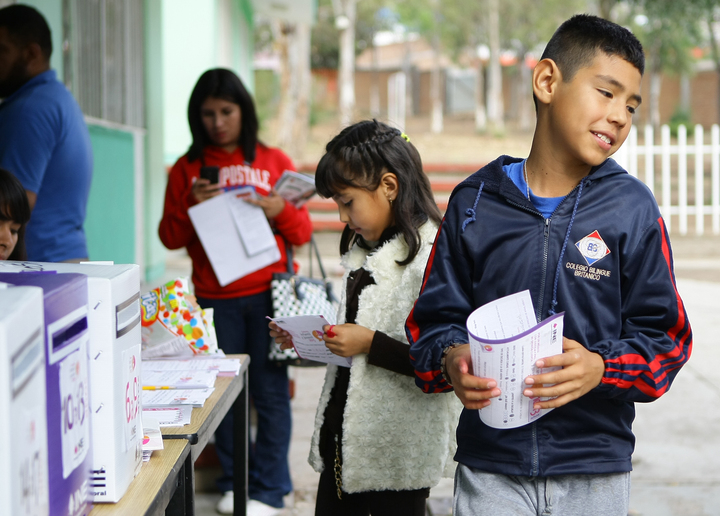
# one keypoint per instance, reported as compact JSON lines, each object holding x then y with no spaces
{"x":347,"y":60}
{"x":525,"y":109}
{"x":714,"y":44}
{"x":605,"y":8}
{"x":685,"y":93}
{"x":495,"y":93}
{"x":480,"y":114}
{"x":375,"y":82}
{"x":293,"y":41}
{"x":436,"y":124}
{"x":655,"y":83}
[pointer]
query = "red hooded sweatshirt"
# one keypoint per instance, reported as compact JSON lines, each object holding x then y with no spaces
{"x":177,"y":231}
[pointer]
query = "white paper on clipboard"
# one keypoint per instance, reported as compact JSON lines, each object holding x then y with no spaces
{"x":214,"y":223}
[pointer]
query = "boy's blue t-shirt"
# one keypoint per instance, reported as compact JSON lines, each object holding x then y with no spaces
{"x":545,"y":205}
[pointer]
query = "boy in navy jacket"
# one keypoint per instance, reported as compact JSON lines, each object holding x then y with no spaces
{"x":586,"y":239}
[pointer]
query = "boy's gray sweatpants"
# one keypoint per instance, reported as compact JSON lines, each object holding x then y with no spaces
{"x":478,"y":493}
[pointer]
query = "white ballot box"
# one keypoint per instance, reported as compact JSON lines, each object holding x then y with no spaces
{"x":65,"y":308}
{"x":23,"y":434}
{"x":114,"y":326}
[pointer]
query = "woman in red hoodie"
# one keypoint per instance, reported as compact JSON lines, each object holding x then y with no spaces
{"x":224,"y":128}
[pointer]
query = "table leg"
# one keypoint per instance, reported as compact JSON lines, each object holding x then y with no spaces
{"x":183,"y":500}
{"x":240,"y":459}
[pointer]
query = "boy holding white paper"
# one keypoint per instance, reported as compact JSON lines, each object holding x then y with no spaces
{"x":584,"y":238}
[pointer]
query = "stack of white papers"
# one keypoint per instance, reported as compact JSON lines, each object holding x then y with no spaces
{"x":223,"y":366}
{"x":174,"y":397}
{"x":156,"y":380}
{"x":152,"y":438}
{"x":168,"y":417}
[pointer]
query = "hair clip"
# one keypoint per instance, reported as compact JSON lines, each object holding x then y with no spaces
{"x":405,"y":137}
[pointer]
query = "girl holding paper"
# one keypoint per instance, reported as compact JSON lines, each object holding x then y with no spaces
{"x":224,"y":129}
{"x":380,"y":443}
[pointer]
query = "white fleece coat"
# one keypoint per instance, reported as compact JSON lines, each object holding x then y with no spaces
{"x":395,"y":437}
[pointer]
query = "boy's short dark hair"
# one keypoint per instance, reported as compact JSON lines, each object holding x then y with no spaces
{"x":26,"y":25}
{"x":577,"y":41}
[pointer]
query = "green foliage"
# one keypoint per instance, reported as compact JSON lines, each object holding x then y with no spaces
{"x":325,"y":44}
{"x":267,"y":93}
{"x":671,"y":31}
{"x":678,"y":118}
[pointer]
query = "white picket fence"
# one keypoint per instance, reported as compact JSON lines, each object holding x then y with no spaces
{"x":680,"y":195}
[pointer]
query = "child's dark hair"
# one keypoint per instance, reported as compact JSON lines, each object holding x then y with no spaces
{"x":577,"y":41}
{"x":358,"y":157}
{"x":221,"y":83}
{"x":14,"y":206}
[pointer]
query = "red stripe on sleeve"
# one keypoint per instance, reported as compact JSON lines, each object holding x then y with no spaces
{"x":656,"y":365}
{"x":410,"y":323}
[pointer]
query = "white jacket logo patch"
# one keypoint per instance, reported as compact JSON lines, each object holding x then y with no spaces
{"x":592,"y":247}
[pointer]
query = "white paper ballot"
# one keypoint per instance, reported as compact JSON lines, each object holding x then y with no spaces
{"x":170,"y":416}
{"x":179,"y":379}
{"x":216,"y":227}
{"x":186,"y":397}
{"x":221,"y":365}
{"x":505,"y":343}
{"x":307,"y":335}
{"x":251,"y":222}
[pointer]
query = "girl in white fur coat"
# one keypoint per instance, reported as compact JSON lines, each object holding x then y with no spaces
{"x":379,"y":442}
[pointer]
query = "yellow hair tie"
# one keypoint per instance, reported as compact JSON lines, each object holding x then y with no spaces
{"x":405,"y":136}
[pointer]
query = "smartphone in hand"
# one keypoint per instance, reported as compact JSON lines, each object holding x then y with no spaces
{"x":211,"y":173}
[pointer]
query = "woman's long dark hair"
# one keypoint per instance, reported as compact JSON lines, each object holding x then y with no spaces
{"x":358,"y":157}
{"x":221,"y":83}
{"x":14,"y":206}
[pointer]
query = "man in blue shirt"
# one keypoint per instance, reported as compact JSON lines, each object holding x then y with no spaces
{"x":43,"y":138}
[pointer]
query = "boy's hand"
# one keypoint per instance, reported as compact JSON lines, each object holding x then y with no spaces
{"x":272,"y":205}
{"x":281,"y":336}
{"x":474,"y":392}
{"x":582,"y":370}
{"x":347,"y":340}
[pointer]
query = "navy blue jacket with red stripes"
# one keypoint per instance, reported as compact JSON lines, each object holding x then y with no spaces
{"x":604,"y":258}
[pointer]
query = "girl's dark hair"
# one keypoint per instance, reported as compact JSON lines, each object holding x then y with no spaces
{"x":358,"y":157}
{"x":14,"y":206}
{"x":221,"y":83}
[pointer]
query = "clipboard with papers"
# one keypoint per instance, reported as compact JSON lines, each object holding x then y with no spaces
{"x":235,"y":235}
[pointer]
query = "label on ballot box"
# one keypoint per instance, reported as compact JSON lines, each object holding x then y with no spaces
{"x":75,"y":409}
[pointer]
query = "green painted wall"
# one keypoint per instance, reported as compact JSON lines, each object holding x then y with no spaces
{"x":110,"y":221}
{"x":155,"y":175}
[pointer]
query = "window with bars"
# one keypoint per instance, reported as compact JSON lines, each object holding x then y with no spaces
{"x":103,"y":58}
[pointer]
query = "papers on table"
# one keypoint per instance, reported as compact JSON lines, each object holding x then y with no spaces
{"x":168,"y":417}
{"x":185,"y":397}
{"x":155,"y":380}
{"x":152,"y":438}
{"x":505,"y":343}
{"x":295,"y":187}
{"x":235,"y":235}
{"x":221,"y":365}
{"x":307,"y":335}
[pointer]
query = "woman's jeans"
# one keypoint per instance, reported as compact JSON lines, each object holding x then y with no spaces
{"x":241,"y":327}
